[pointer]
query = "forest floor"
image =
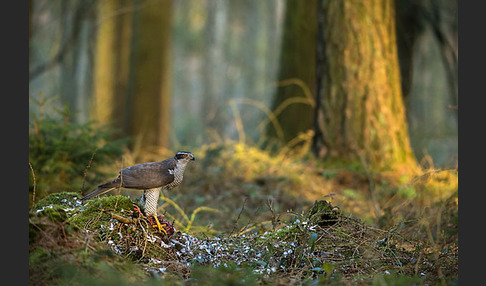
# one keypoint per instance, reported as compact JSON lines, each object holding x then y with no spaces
{"x":244,"y":217}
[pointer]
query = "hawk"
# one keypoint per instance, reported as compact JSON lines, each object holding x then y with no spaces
{"x":150,"y":177}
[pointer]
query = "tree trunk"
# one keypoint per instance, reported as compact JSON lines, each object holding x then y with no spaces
{"x":132,"y":69}
{"x":363,"y":113}
{"x":69,"y":25}
{"x":410,"y":26}
{"x":150,"y":120}
{"x":104,"y":66}
{"x":215,"y":64}
{"x":121,"y":73}
{"x":297,"y":78}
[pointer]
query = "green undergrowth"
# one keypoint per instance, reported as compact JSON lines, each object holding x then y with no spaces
{"x":245,"y":216}
{"x":64,"y":154}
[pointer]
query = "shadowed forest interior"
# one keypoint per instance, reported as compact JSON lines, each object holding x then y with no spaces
{"x":285,"y":104}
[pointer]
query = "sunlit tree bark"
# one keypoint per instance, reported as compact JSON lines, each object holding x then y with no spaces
{"x":362,"y":108}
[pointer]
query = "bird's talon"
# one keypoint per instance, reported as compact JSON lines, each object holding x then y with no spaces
{"x":162,"y":229}
{"x":158,"y":225}
{"x":137,"y":209}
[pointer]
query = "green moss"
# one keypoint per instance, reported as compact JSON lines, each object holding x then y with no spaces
{"x":94,"y":215}
{"x":67,"y":199}
{"x":55,"y":213}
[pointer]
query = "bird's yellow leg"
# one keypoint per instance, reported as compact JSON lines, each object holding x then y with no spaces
{"x":159,"y":226}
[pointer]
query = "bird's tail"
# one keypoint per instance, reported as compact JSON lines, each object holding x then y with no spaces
{"x":99,"y":191}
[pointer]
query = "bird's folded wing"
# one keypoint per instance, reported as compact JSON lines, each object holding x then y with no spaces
{"x":147,"y":175}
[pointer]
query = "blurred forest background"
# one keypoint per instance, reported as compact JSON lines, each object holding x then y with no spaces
{"x":282,"y":102}
{"x":187,"y":73}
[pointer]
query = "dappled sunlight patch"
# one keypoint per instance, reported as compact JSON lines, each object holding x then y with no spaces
{"x":226,"y":175}
{"x":251,"y":164}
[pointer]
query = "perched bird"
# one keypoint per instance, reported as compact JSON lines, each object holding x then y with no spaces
{"x":150,"y":177}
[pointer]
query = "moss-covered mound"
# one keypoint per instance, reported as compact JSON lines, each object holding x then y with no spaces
{"x":62,"y":253}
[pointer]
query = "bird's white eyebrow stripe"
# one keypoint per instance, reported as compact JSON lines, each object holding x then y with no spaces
{"x":171,"y":171}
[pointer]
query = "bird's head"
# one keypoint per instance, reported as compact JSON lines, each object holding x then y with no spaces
{"x":183,"y":155}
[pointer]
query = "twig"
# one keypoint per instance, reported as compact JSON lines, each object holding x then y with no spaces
{"x":238,"y":218}
{"x":431,"y":172}
{"x":33,"y":177}
{"x":275,"y":217}
{"x":123,"y":219}
{"x":87,"y":167}
{"x":121,"y":176}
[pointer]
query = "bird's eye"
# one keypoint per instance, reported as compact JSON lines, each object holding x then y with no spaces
{"x":184,"y":155}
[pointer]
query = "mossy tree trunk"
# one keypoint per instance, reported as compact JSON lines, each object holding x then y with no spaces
{"x":297,"y":70}
{"x":363,"y":114}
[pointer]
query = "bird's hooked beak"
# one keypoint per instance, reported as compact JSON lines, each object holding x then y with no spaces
{"x":193,"y":158}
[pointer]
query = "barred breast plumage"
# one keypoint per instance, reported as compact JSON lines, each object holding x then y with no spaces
{"x":178,"y":173}
{"x":150,"y":197}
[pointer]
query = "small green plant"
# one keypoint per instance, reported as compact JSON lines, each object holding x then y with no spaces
{"x":61,"y":151}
